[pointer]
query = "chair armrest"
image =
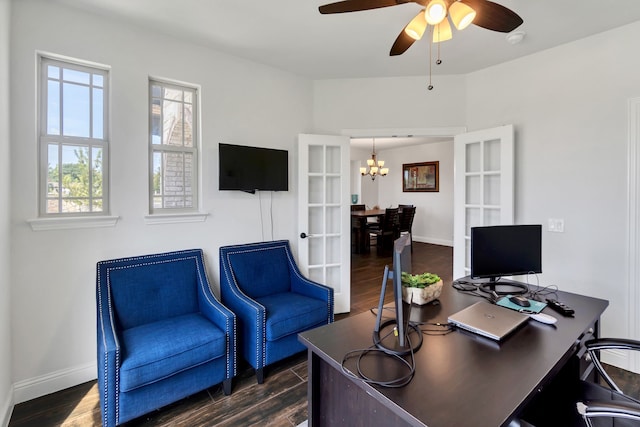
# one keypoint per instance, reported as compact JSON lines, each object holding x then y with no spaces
{"x":108,"y":360}
{"x":303,"y":286}
{"x":612,"y":343}
{"x":628,"y":410}
{"x":594,"y":345}
{"x":251,"y":316}
{"x":224,"y":319}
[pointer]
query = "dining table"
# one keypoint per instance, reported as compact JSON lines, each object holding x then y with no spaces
{"x":361,"y":231}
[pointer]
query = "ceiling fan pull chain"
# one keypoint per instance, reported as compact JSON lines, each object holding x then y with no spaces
{"x":430,"y":87}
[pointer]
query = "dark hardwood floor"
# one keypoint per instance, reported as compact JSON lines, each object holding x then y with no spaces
{"x":280,"y":401}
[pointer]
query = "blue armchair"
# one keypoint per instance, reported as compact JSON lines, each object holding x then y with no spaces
{"x":162,"y":334}
{"x":262,"y":284}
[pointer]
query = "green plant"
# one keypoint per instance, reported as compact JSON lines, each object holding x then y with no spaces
{"x":419,"y":280}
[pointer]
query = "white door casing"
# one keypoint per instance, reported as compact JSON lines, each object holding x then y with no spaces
{"x":324,"y":214}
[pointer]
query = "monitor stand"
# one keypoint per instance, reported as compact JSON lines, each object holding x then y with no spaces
{"x":504,"y":287}
{"x":391,"y":345}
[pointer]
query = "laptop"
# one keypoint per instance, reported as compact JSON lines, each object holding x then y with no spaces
{"x":488,"y":320}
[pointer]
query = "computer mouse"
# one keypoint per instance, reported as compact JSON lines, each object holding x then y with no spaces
{"x":520,"y":300}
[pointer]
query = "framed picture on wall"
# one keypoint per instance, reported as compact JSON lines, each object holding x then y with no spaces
{"x":423,"y":176}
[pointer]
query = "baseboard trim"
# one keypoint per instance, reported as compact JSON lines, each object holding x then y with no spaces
{"x":433,"y":241}
{"x":55,"y":381}
{"x":6,"y":409}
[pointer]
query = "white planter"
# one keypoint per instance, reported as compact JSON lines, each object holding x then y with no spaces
{"x":422,"y":295}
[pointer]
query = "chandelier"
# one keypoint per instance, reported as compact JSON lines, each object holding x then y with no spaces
{"x":376,"y":167}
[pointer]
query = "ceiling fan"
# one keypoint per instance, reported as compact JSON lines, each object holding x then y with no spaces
{"x":483,"y":13}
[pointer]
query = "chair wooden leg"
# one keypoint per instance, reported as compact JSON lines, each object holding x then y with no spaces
{"x":226,"y":386}
{"x":260,"y":375}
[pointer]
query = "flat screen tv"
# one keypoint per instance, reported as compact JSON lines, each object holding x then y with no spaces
{"x":505,"y":250}
{"x":252,"y":169}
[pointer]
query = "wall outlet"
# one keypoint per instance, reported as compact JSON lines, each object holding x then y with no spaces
{"x":555,"y":225}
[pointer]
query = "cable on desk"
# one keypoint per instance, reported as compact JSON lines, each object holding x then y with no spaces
{"x":401,"y":381}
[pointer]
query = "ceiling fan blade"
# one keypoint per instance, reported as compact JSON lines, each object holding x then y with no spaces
{"x":358,"y":5}
{"x":493,"y":16}
{"x":402,"y":43}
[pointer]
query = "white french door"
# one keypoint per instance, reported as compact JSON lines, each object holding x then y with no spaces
{"x":484,"y":189}
{"x":324,"y":214}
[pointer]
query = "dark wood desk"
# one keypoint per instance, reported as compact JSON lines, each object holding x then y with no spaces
{"x":362,"y":235}
{"x":461,"y":379}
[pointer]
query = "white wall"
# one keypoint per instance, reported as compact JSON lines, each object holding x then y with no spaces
{"x":5,"y":291}
{"x":433,"y":222}
{"x":569,"y":108}
{"x":53,"y":272}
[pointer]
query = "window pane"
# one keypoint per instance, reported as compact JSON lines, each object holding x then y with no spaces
{"x":174,"y":94}
{"x":75,"y":178}
{"x":156,"y":91}
{"x":96,"y":173}
{"x":76,"y":116}
{"x":53,"y":172}
{"x":188,"y":97}
{"x":53,"y":72}
{"x":98,"y":80}
{"x":53,"y":108}
{"x":157,"y":174}
{"x":188,"y":125}
{"x":98,"y":110}
{"x":75,"y":76}
{"x":172,"y":123}
{"x":53,"y":206}
{"x":156,"y":121}
{"x":97,"y":205}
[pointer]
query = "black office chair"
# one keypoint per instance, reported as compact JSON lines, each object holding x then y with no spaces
{"x":585,"y":403}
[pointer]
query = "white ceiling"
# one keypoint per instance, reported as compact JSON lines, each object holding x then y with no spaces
{"x":292,"y":35}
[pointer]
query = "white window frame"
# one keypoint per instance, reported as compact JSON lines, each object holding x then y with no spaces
{"x":44,"y":139}
{"x":176,"y":214}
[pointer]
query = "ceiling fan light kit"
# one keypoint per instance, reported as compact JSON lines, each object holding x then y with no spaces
{"x":482,"y":13}
{"x":461,"y":15}
{"x":442,"y":32}
{"x":415,"y":28}
{"x":436,"y":11}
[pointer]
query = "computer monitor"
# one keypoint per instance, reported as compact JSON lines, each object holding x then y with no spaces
{"x":505,"y":250}
{"x":401,"y":263}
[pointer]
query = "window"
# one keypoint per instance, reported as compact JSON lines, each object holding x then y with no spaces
{"x":173,"y":147}
{"x":73,"y":138}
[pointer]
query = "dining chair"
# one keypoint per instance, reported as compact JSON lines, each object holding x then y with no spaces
{"x":405,"y":223}
{"x":356,"y":228}
{"x":385,"y":231}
